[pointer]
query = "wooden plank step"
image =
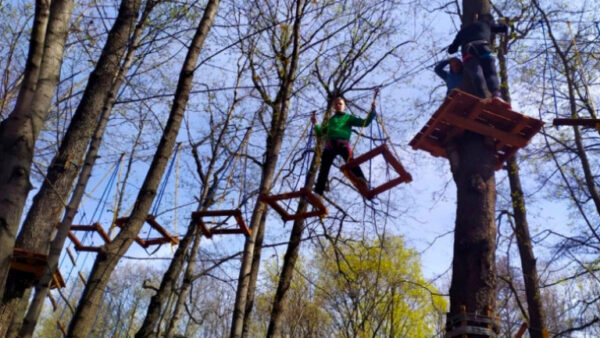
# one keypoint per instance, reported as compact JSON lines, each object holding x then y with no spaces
{"x":318,"y":208}
{"x":237,"y":227}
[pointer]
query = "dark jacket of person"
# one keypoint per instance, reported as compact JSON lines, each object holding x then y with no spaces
{"x":479,"y":31}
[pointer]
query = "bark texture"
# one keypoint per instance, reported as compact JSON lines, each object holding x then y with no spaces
{"x":535,"y":310}
{"x":473,"y":283}
{"x":20,"y":130}
{"x":252,"y":248}
{"x":110,"y":254}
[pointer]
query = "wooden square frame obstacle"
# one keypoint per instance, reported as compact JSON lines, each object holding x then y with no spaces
{"x":366,"y":191}
{"x":96,"y":227}
{"x":462,"y":112}
{"x":242,"y":228}
{"x":151,"y":220}
{"x":34,"y":264}
{"x":319,"y":209}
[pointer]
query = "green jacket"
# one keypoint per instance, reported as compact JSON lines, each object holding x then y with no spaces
{"x":339,"y":126}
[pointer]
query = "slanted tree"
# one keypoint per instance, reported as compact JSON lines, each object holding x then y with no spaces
{"x":19,"y":131}
{"x":111,"y":253}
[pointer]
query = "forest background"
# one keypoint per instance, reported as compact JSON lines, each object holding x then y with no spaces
{"x":245,"y":93}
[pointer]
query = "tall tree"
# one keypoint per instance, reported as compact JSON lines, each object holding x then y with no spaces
{"x":286,"y":45}
{"x":472,"y":161}
{"x":111,"y":253}
{"x":536,"y":313}
{"x":20,"y":130}
{"x":48,"y":204}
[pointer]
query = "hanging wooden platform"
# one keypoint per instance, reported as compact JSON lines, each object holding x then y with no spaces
{"x":166,"y":237}
{"x":366,"y":191}
{"x":318,"y":208}
{"x":462,"y":111}
{"x":96,"y":227}
{"x":239,"y":227}
{"x":34,"y":264}
{"x":589,"y":123}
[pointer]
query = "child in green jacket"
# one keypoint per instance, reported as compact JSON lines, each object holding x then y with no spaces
{"x":337,"y":130}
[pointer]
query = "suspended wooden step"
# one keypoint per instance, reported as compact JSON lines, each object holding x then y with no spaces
{"x":388,"y":157}
{"x":318,"y":208}
{"x":462,"y":111}
{"x":34,"y":264}
{"x":97,"y":228}
{"x":589,"y":123}
{"x":166,"y":237}
{"x":222,"y":226}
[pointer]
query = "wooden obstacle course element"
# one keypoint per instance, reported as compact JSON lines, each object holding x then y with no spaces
{"x":465,"y":324}
{"x":462,"y":112}
{"x":150,"y":219}
{"x":589,"y":123}
{"x":366,"y":191}
{"x":96,"y":227}
{"x":34,"y":264}
{"x":319,"y":209}
{"x":240,"y":224}
{"x":522,"y":330}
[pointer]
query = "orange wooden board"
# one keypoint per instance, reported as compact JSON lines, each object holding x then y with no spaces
{"x":166,"y":237}
{"x":319,"y":209}
{"x":96,"y":227}
{"x":34,"y":264}
{"x":462,"y":111}
{"x":368,"y":192}
{"x":239,"y":227}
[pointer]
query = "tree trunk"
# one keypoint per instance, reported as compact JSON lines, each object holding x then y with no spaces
{"x":251,"y":254}
{"x":48,"y":204}
{"x":20,"y":130}
{"x":110,"y":254}
{"x":185,"y":285}
{"x":537,"y":316}
{"x":167,"y":284}
{"x":473,"y":282}
{"x":291,"y":254}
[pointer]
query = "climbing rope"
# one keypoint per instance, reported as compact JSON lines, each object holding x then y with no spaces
{"x":360,"y":132}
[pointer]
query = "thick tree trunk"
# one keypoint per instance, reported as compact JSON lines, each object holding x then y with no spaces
{"x":20,"y":130}
{"x":110,"y":254}
{"x":473,"y":282}
{"x":537,"y":316}
{"x":473,"y":268}
{"x":42,"y":286}
{"x":249,"y":269}
{"x":48,"y":204}
{"x":185,"y":285}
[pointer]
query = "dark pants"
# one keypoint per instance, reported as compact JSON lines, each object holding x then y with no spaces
{"x":332,"y":149}
{"x":478,"y":62}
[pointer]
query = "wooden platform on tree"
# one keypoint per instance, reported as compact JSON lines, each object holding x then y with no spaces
{"x":166,"y":237}
{"x":34,"y":264}
{"x":382,"y":150}
{"x":96,"y":227}
{"x":462,"y":111}
{"x":318,"y":208}
{"x":589,"y":123}
{"x":225,"y":228}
